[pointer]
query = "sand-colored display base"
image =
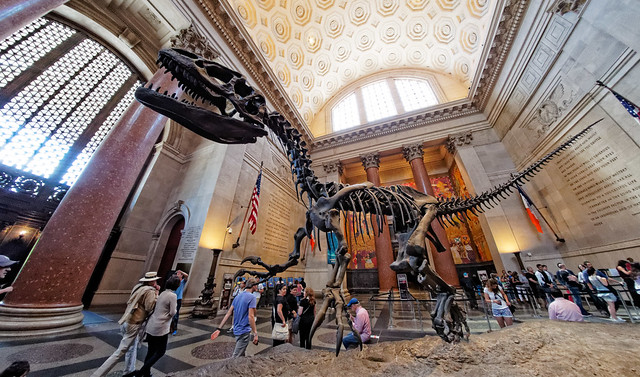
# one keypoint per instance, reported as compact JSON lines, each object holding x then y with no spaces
{"x":540,"y":348}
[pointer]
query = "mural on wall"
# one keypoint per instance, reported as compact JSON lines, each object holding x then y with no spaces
{"x":362,"y":246}
{"x":467,"y":241}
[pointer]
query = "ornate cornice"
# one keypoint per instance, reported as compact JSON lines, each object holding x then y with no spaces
{"x":333,"y":167}
{"x":412,"y":151}
{"x":565,"y":6}
{"x":377,"y":130}
{"x":189,"y":39}
{"x":512,"y":15}
{"x":458,"y":140}
{"x":222,"y":19}
{"x":370,"y":160}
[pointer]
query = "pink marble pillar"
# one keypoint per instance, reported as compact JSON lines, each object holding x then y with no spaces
{"x":15,"y":14}
{"x":384,"y":251}
{"x":444,"y":265}
{"x":52,"y":281}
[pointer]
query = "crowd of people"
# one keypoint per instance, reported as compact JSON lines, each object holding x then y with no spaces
{"x":546,"y":290}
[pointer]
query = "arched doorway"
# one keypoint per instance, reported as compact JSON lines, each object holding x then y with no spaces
{"x":171,"y":249}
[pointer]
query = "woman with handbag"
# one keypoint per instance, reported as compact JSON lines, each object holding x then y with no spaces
{"x":307,"y":314}
{"x":499,"y":303}
{"x":280,"y":332}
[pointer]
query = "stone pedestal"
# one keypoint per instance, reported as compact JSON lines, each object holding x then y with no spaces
{"x":204,"y":306}
{"x":444,"y":265}
{"x":384,"y":250}
{"x":48,"y":291}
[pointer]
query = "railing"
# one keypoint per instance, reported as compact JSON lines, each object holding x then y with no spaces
{"x":524,"y":294}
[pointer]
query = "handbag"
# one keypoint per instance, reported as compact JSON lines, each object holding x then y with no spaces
{"x":279,"y":332}
{"x":295,"y":325}
{"x":512,"y":308}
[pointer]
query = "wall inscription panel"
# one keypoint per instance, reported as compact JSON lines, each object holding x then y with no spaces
{"x":277,"y":242}
{"x":189,"y":243}
{"x":603,"y":182}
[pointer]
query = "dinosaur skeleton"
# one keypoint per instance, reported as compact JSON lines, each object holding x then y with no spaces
{"x":232,"y":112}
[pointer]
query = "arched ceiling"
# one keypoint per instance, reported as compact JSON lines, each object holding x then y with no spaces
{"x":317,"y":47}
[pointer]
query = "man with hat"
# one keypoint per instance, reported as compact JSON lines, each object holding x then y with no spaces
{"x":361,"y":323}
{"x":5,"y":267}
{"x":139,"y":307}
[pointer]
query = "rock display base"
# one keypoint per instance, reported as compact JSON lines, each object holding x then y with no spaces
{"x":536,"y":348}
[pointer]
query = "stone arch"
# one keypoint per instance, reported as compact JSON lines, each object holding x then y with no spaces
{"x":160,"y":236}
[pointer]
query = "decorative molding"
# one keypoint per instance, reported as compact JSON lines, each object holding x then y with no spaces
{"x":376,"y":130}
{"x":412,"y":151}
{"x":333,"y":167}
{"x":370,"y":160}
{"x":551,"y":109}
{"x":189,"y":39}
{"x":458,"y":140}
{"x":566,"y":6}
{"x":512,"y":16}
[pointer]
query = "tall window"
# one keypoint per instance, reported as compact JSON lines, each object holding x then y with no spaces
{"x":379,"y":100}
{"x":345,"y":114}
{"x":61,"y":92}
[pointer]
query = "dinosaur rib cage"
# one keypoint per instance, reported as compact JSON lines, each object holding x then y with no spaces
{"x":380,"y":202}
{"x":451,"y":210}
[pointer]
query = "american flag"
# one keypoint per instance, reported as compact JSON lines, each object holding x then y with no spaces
{"x":631,"y":107}
{"x":255,"y":201}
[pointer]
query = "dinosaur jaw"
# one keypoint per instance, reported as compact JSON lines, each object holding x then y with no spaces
{"x":202,"y":121}
{"x":206,"y":113}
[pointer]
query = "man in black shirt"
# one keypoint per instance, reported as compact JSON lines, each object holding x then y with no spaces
{"x":570,"y":280}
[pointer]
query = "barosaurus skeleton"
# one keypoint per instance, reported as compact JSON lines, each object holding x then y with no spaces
{"x":228,"y":110}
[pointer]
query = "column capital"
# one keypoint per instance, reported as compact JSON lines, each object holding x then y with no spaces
{"x":412,"y":151}
{"x":189,"y":39}
{"x":458,"y":140}
{"x":333,"y":167}
{"x":370,"y":160}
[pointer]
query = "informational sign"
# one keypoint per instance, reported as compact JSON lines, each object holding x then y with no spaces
{"x":403,"y":287}
{"x":483,"y":276}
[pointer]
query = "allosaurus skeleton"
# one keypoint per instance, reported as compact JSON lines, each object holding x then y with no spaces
{"x":226,"y":109}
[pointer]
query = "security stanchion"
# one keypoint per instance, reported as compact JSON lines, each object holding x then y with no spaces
{"x":486,"y":312}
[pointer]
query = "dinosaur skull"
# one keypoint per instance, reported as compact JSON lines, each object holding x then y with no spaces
{"x":224,"y":109}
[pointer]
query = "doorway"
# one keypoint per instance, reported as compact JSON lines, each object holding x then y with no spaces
{"x":170,"y":250}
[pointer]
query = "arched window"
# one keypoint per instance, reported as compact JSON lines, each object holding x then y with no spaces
{"x":61,"y":92}
{"x":382,"y":99}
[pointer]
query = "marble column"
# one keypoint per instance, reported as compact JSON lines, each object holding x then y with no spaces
{"x":444,"y":265}
{"x":15,"y":14}
{"x":384,"y":251}
{"x":48,"y":291}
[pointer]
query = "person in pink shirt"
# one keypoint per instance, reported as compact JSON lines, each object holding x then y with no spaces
{"x":563,"y":309}
{"x":361,"y":323}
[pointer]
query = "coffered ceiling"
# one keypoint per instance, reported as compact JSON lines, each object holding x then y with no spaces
{"x":315,"y":48}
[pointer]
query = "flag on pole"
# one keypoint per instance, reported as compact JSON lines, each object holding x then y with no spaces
{"x":312,"y":241}
{"x":255,"y":199}
{"x":528,"y":204}
{"x":631,"y":107}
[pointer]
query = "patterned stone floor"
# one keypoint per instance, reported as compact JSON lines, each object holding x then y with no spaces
{"x":80,"y":352}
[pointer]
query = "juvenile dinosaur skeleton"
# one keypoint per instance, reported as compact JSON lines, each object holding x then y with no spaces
{"x":228,"y":110}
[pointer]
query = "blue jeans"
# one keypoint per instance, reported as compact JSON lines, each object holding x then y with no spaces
{"x":575,"y":291}
{"x":350,"y":341}
{"x":242,"y":341}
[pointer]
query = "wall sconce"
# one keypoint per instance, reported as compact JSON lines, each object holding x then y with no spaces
{"x":229,"y":230}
